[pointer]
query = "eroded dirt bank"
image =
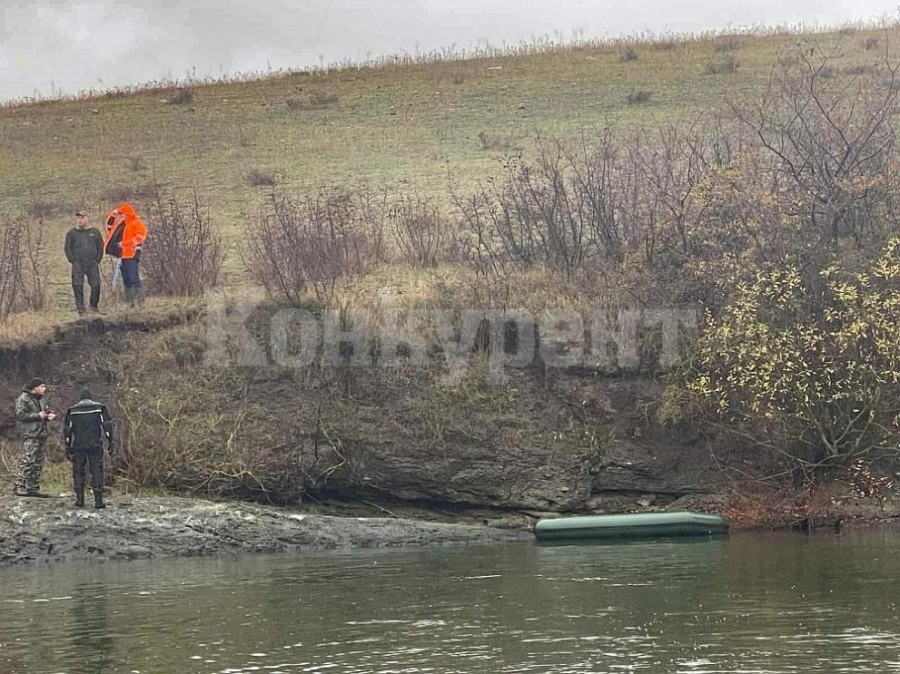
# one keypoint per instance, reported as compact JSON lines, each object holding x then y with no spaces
{"x":414,"y":454}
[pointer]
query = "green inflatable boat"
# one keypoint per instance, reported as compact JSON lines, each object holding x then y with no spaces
{"x":638,"y":525}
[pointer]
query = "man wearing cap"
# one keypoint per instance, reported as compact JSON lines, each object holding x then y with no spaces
{"x":86,"y":425}
{"x":32,"y":417}
{"x":84,"y":250}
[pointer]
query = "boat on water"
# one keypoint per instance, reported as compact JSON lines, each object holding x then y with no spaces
{"x":636,"y":525}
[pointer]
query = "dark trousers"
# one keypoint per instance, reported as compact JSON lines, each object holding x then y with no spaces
{"x":92,"y":272}
{"x":131,"y":275}
{"x":93,"y":459}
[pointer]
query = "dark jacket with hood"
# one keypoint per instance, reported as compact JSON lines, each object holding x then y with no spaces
{"x":28,"y":415}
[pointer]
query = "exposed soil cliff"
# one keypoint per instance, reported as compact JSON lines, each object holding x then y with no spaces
{"x":390,"y":441}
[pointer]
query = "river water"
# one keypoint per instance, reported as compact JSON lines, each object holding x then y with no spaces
{"x":747,"y":603}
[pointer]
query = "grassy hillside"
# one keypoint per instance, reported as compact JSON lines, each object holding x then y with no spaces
{"x":405,"y":128}
{"x":777,"y":217}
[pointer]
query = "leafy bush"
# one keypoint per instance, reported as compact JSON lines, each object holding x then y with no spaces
{"x":808,"y":365}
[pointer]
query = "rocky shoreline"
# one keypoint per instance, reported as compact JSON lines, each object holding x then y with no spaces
{"x":44,"y":531}
{"x":38,"y":531}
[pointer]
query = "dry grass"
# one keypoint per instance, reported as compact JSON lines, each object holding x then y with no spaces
{"x":37,"y":327}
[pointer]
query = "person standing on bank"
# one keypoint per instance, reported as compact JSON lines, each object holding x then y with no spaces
{"x":84,"y":250}
{"x":32,"y":417}
{"x":85,"y":426}
{"x":125,"y":236}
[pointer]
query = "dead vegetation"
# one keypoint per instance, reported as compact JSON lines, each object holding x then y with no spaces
{"x":22,"y":266}
{"x":184,"y":256}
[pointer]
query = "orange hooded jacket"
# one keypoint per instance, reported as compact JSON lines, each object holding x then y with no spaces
{"x":125,"y":232}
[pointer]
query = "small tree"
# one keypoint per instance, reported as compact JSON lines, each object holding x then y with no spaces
{"x":831,"y":149}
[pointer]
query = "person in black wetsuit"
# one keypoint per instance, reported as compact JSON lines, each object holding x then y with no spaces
{"x":86,"y":425}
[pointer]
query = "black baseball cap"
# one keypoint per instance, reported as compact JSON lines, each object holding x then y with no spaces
{"x":79,"y":214}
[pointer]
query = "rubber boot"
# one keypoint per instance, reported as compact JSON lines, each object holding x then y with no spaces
{"x":98,"y":499}
{"x":79,"y":497}
{"x":139,"y":297}
{"x":129,"y":297}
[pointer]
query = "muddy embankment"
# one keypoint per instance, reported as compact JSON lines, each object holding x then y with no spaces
{"x":419,"y":455}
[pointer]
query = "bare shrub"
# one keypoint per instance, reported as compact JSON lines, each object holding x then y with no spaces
{"x":183,"y":256}
{"x":312,"y":99}
{"x":22,"y":266}
{"x":629,"y":53}
{"x":136,"y":163}
{"x":870,"y":43}
{"x":665,"y":45}
{"x":723,"y":66}
{"x":727,"y":43}
{"x":858,"y":70}
{"x":420,"y":231}
{"x":258,"y":178}
{"x":180,"y":96}
{"x":268,"y":444}
{"x":315,"y":240}
{"x":636,"y":204}
{"x":558,"y":212}
{"x":494,"y":141}
{"x":672,"y":168}
{"x":121,"y":193}
{"x":831,"y":151}
{"x":638,"y":97}
{"x":245,"y":138}
{"x":40,"y":210}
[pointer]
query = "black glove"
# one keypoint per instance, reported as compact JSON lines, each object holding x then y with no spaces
{"x":68,"y":453}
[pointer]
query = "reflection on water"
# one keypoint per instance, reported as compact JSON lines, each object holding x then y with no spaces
{"x":766,"y":603}
{"x":89,"y":635}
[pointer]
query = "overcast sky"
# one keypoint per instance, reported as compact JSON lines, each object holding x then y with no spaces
{"x":52,"y":47}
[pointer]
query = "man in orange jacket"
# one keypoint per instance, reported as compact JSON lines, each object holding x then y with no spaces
{"x":125,"y":236}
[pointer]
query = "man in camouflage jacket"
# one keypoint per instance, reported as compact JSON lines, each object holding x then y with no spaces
{"x":32,"y":417}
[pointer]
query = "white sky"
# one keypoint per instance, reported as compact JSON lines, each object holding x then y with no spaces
{"x":51,"y":47}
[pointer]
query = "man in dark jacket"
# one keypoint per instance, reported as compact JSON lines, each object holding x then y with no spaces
{"x":86,"y":424}
{"x":32,"y":417}
{"x":84,"y":250}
